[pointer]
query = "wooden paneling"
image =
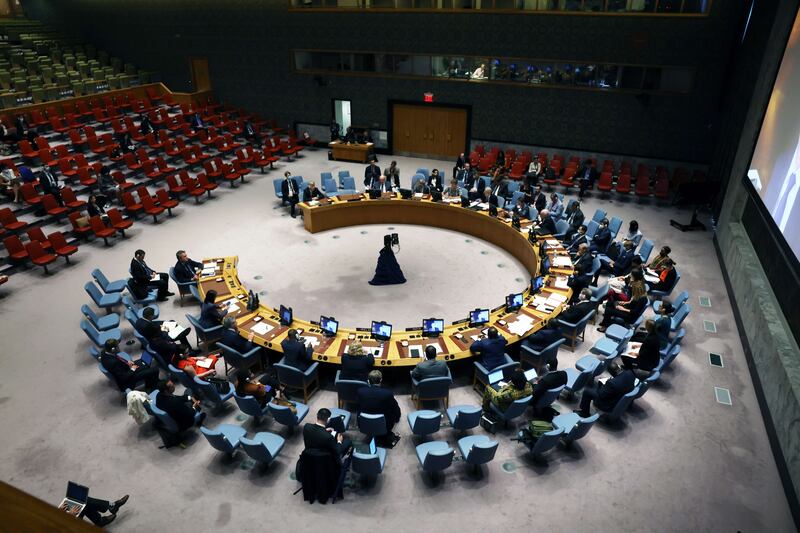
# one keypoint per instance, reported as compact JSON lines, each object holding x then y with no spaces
{"x":23,"y":512}
{"x":429,"y":131}
{"x":201,"y":78}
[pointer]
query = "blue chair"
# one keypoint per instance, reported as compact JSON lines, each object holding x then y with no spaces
{"x":196,"y":293}
{"x":292,"y":378}
{"x":619,"y":333}
{"x":435,"y":456}
{"x":264,"y":447}
{"x":680,"y":316}
{"x":516,"y":409}
{"x":111,"y":378}
{"x":431,"y":390}
{"x":596,"y":264}
{"x":591,"y":229}
{"x":577,"y":380}
{"x":343,"y":174}
{"x":284,"y":415}
{"x":568,"y":208}
{"x":477,"y":450}
{"x":645,"y":250}
{"x":546,"y":442}
{"x":681,"y":299}
{"x":621,"y":406}
{"x":576,"y":331}
{"x":236,"y":359}
{"x":372,"y":425}
{"x":225,"y":437}
{"x":183,"y":378}
{"x":368,"y":465}
{"x":330,"y":187}
{"x":151,"y":297}
{"x":606,"y":348}
{"x":561,"y":229}
{"x":325,"y":176}
{"x":513,"y":187}
{"x":590,"y":362}
{"x":184,"y":287}
{"x":575,"y":427}
{"x":482,"y":373}
{"x":347,"y":389}
{"x":99,"y":338}
{"x":108,"y":286}
{"x":668,"y":358}
{"x":101,"y":323}
{"x":424,"y":422}
{"x":598,"y":295}
{"x":599,"y":215}
{"x":674,"y":341}
{"x":106,"y":301}
{"x":348,"y":185}
{"x":207,"y":336}
{"x":163,"y":420}
{"x":660,"y":295}
{"x":425,"y":172}
{"x":536,"y":357}
{"x":514,"y":197}
{"x":464,"y":417}
{"x":547,"y":399}
{"x":613,"y":226}
{"x":415,"y":178}
{"x":210,"y":392}
{"x":344,"y":417}
{"x":276,"y":183}
{"x":136,"y":309}
{"x":250,"y":406}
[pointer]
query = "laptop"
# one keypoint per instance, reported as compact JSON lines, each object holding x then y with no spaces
{"x":373,"y":449}
{"x":75,"y":500}
{"x":146,"y":358}
{"x":495,"y":377}
{"x":530,"y":375}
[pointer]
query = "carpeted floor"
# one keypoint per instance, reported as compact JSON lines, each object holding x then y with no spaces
{"x":680,"y":461}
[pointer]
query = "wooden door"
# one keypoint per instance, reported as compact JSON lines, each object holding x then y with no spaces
{"x":428,"y":131}
{"x":201,"y":79}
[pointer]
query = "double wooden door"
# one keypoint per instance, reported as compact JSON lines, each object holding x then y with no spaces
{"x":428,"y":131}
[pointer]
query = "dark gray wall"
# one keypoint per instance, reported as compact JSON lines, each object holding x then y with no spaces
{"x":248,"y":41}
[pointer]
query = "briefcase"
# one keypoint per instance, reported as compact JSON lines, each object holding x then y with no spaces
{"x":489,"y":423}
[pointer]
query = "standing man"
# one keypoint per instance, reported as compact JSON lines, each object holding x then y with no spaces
{"x":290,"y":191}
{"x":371,"y":175}
{"x":144,"y":278}
{"x":50,"y":184}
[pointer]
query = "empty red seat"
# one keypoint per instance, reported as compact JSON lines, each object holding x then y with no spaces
{"x":131,"y":206}
{"x":39,"y":256}
{"x":100,"y":229}
{"x":165,"y":201}
{"x":50,"y":205}
{"x":36,"y":234}
{"x":604,"y":183}
{"x":117,"y":221}
{"x":203,"y":181}
{"x":26,"y":150}
{"x":60,"y":245}
{"x":29,"y":194}
{"x":150,"y":207}
{"x":662,"y":188}
{"x":624,"y":184}
{"x":84,"y":178}
{"x":9,"y":220}
{"x":121,"y":181}
{"x":642,"y":186}
{"x":150,"y":170}
{"x":194,"y":189}
{"x":517,"y":170}
{"x":261,"y":160}
{"x":16,"y":251}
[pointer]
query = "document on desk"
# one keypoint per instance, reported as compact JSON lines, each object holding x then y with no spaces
{"x":313,"y":341}
{"x":545,"y":308}
{"x":232,"y":305}
{"x":176,"y":332}
{"x":262,"y":328}
{"x":562,"y":261}
{"x":539,"y":300}
{"x":522,"y":325}
{"x":554,"y":302}
{"x":553,"y":242}
{"x":561,"y":283}
{"x":555,"y":297}
{"x":651,"y":279}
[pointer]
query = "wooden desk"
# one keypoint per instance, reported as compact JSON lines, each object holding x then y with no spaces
{"x":455,"y":340}
{"x":350,"y":152}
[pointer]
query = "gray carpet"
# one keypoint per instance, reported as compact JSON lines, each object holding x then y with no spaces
{"x":680,"y":461}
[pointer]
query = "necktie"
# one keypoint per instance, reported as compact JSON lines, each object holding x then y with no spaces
{"x":781,"y":208}
{"x":291,"y":188}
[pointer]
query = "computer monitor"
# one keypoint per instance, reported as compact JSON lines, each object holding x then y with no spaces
{"x":514,"y":301}
{"x":545,"y":266}
{"x":495,"y":376}
{"x":328,"y":325}
{"x":536,"y":284}
{"x":406,"y":194}
{"x":381,"y":331}
{"x":285,"y":315}
{"x":432,"y":327}
{"x":478,"y":317}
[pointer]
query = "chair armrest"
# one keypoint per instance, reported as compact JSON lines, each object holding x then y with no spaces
{"x":212,"y":329}
{"x":480,"y":368}
{"x":530,"y":350}
{"x":311,"y":370}
{"x":251,"y":352}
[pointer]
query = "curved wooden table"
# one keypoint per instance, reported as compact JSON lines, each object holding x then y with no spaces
{"x":454,"y":342}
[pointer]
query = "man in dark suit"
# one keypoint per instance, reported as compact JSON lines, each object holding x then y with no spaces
{"x":435,"y":181}
{"x":491,"y":349}
{"x":490,"y":198}
{"x":602,"y":238}
{"x":371,"y":174}
{"x":144,"y":278}
{"x":421,"y":187}
{"x":522,"y":210}
{"x":606,"y":396}
{"x":578,"y":310}
{"x":312,"y":193}
{"x":583,"y":259}
{"x":500,"y":187}
{"x":430,"y":367}
{"x":541,"y":340}
{"x":577,"y":239}
{"x":356,"y":366}
{"x":586,"y":177}
{"x":290,"y":192}
{"x":475,"y":187}
{"x":181,"y":408}
{"x":575,"y":219}
{"x":375,"y":400}
{"x":232,"y":339}
{"x":538,"y":198}
{"x":186,"y":269}
{"x":618,"y":266}
{"x":546,"y":225}
{"x":49,"y":184}
{"x":295,"y":353}
{"x":127,"y":374}
{"x":381,"y":185}
{"x":465,"y":174}
{"x":318,"y":436}
{"x":542,"y":384}
{"x":24,"y":129}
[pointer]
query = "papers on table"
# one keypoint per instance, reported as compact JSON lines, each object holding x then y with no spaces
{"x":232,"y":305}
{"x":522,"y":325}
{"x":558,"y":298}
{"x":562,"y":261}
{"x":483,"y":205}
{"x":262,"y":328}
{"x":633,"y":349}
{"x":546,"y":305}
{"x":313,"y":203}
{"x":173,"y":329}
{"x":418,"y":195}
{"x":376,"y":351}
{"x":313,"y":341}
{"x":651,"y":279}
{"x":561,"y":283}
{"x":205,"y":362}
{"x":553,"y":242}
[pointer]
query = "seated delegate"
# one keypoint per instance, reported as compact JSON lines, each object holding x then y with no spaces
{"x":318,"y":436}
{"x":127,"y":374}
{"x":356,"y":363}
{"x":181,"y":408}
{"x":516,"y":388}
{"x":186,"y":269}
{"x":263,"y":389}
{"x":491,"y":349}
{"x":295,"y":353}
{"x":605,"y":396}
{"x":430,"y":367}
{"x":211,"y":313}
{"x":143,"y":278}
{"x":376,"y":400}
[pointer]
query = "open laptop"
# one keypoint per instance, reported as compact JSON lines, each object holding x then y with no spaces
{"x":496,"y":379}
{"x":530,"y":374}
{"x":146,"y":358}
{"x":75,"y":500}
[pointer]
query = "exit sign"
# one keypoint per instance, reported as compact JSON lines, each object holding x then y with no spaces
{"x":427,"y":97}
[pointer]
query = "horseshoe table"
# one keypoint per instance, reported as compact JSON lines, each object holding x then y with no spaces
{"x":405,"y":345}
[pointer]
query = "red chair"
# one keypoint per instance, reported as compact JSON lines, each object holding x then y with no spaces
{"x":9,"y":221}
{"x":51,"y":206}
{"x":261,"y":160}
{"x":642,"y":187}
{"x":624,"y":184}
{"x":150,"y":170}
{"x":38,"y":256}
{"x":203,"y":181}
{"x":213,"y":168}
{"x":165,"y":201}
{"x":30,"y":195}
{"x":67,"y":168}
{"x":16,"y":251}
{"x":604,"y":183}
{"x":84,"y":178}
{"x":26,"y":150}
{"x":101,"y":230}
{"x":662,"y":188}
{"x":58,"y":125}
{"x":117,"y":221}
{"x":230,"y":174}
{"x":36,"y":234}
{"x":191,"y":156}
{"x":38,"y":119}
{"x":131,"y":207}
{"x":568,"y":180}
{"x":163,"y":167}
{"x":174,"y":188}
{"x":150,"y":207}
{"x":517,"y":170}
{"x":243,"y":155}
{"x":77,"y":229}
{"x":151,"y":141}
{"x":131,"y":162}
{"x":121,"y":181}
{"x":194,"y":189}
{"x":60,"y":246}
{"x":240,"y":169}
{"x":171,"y":149}
{"x":70,"y":200}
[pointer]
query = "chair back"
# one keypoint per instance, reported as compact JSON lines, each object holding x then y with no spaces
{"x":94,"y":293}
{"x":256,"y":450}
{"x":551,"y":351}
{"x":613,"y":226}
{"x":232,"y":356}
{"x":623,"y":403}
{"x":438,"y":460}
{"x":182,"y":377}
{"x":208,"y":390}
{"x":517,"y":408}
{"x":561,"y":228}
{"x":330,"y":186}
{"x":366,"y":464}
{"x":91,"y":315}
{"x":372,"y":425}
{"x":424,"y":171}
{"x":218,"y":440}
{"x":645,"y":249}
{"x":549,"y":397}
{"x":349,"y":183}
{"x":679,"y":316}
{"x":482,"y":452}
{"x":248,"y":405}
{"x":599,"y":293}
{"x":599,"y":215}
{"x":547,"y":441}
{"x":166,"y":421}
{"x":92,"y":333}
{"x":581,"y":428}
{"x":467,"y":418}
{"x":682,"y":298}
{"x":582,"y":379}
{"x":426,"y":422}
{"x":591,"y":229}
{"x":671,"y":355}
{"x":276,"y":183}
{"x":347,"y":389}
{"x":434,"y":388}
{"x":282,"y":414}
{"x":289,"y":375}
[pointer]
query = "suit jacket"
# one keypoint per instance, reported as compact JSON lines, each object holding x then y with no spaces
{"x":429,"y":369}
{"x":524,"y":212}
{"x":375,"y":400}
{"x":117,"y":368}
{"x":356,"y":367}
{"x":285,"y":188}
{"x":140,"y":272}
{"x":551,"y":380}
{"x":386,"y":187}
{"x":465,"y":176}
{"x":184,"y":272}
{"x":556,"y":209}
{"x":232,"y":339}
{"x":371,"y":174}
{"x":178,"y":407}
{"x":539,"y":202}
{"x":623,"y":261}
{"x":547,"y":227}
{"x":492,"y":351}
{"x":590,"y":176}
{"x":601,"y":239}
{"x":296,"y":354}
{"x":500,"y":188}
{"x":576,"y":312}
{"x":21,"y":124}
{"x":142,"y":324}
{"x":316,"y":195}
{"x":166,"y":348}
{"x":393,"y":176}
{"x":477,"y":183}
{"x":576,"y":218}
{"x":48,"y":181}
{"x":649,"y":352}
{"x":422,"y":187}
{"x":439,"y":182}
{"x":460,"y":162}
{"x":615,"y":388}
{"x":211,"y":315}
{"x":543,"y":338}
{"x":317,"y":438}
{"x":584,"y":263}
{"x":577,"y":240}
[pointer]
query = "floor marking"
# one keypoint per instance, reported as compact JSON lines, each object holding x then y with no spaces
{"x":709,"y":326}
{"x":723,"y":395}
{"x":705,"y":301}
{"x":715,"y":359}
